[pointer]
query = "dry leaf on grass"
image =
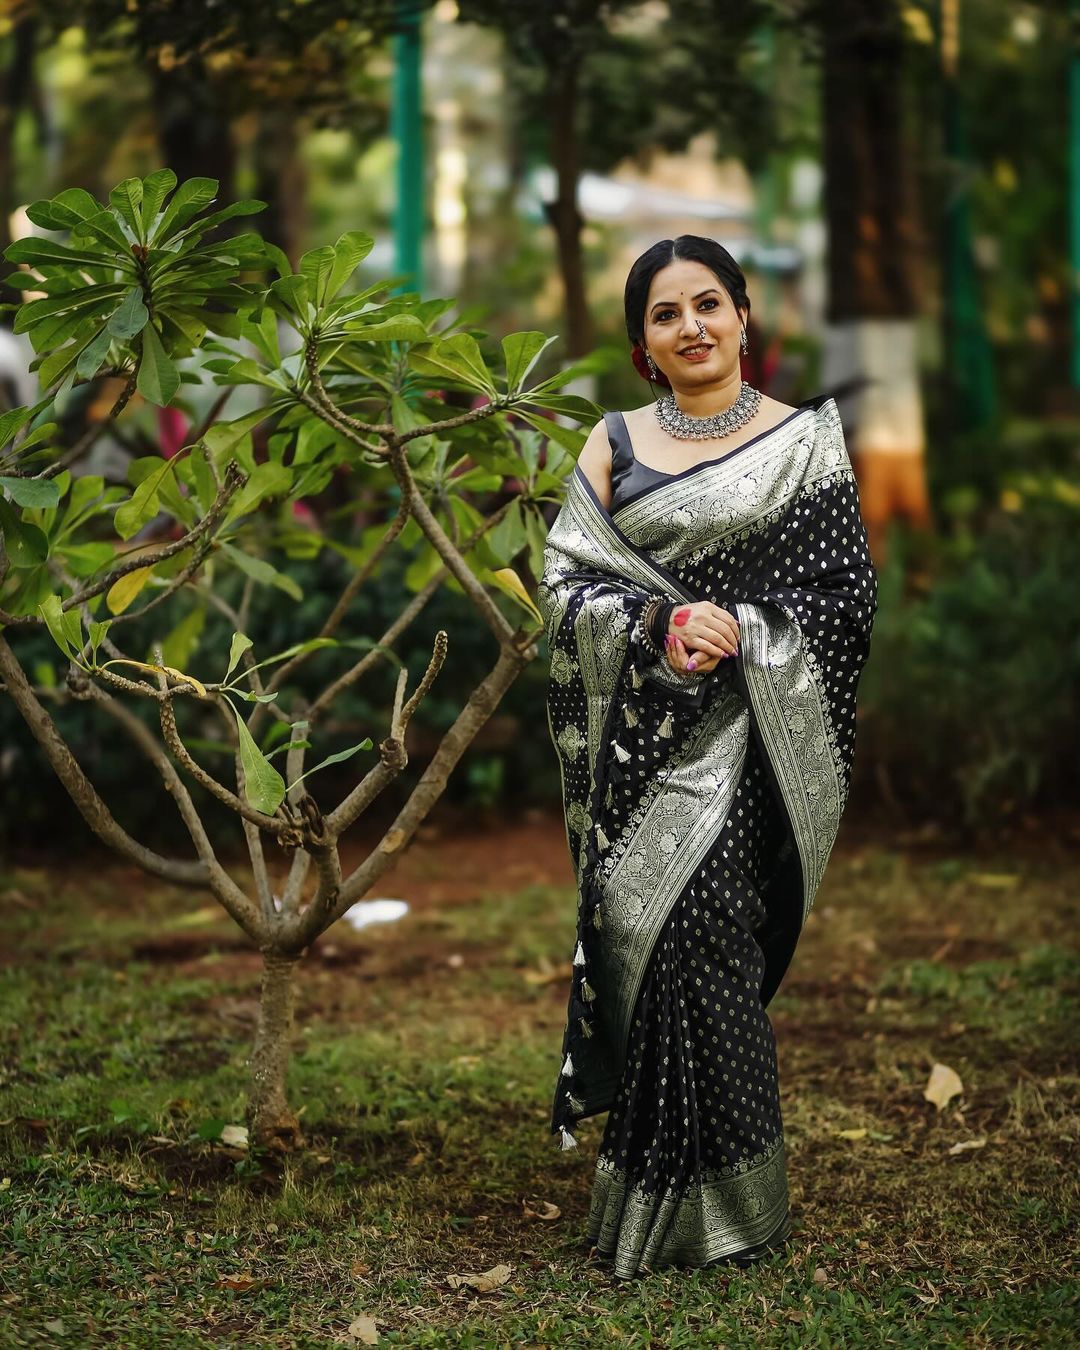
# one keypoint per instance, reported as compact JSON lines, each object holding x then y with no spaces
{"x":490,"y":1279}
{"x":362,"y":1330}
{"x":966,"y":1145}
{"x":853,"y":1134}
{"x":942,"y":1086}
{"x":540,"y":1209}
{"x":819,"y":1276}
{"x":240,"y":1283}
{"x":360,"y":1268}
{"x":235,"y":1136}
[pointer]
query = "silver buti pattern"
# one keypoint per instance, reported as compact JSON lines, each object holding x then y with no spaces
{"x":686,"y":428}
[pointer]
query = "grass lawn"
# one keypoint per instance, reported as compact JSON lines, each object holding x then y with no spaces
{"x":426,"y":1052}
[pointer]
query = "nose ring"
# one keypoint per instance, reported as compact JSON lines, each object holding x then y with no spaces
{"x":701,"y":330}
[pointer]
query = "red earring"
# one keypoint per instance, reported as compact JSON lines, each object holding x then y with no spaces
{"x":641,"y":365}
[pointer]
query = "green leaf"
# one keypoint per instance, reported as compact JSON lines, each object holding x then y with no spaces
{"x":130,"y":317}
{"x":264,"y":787}
{"x":565,"y":436}
{"x":92,"y":355}
{"x":31,"y":491}
{"x":455,"y":358}
{"x":399,"y":328}
{"x":339,"y":758}
{"x":262,"y":572}
{"x":158,"y":378}
{"x":56,"y":621}
{"x":191,"y":196}
{"x":12,"y":422}
{"x":240,"y":644}
{"x":126,"y":197}
{"x":349,"y":251}
{"x":26,"y":544}
{"x":142,"y":505}
{"x":268,"y":480}
{"x":521,"y":352}
{"x":315,"y":268}
{"x":97,"y":635}
{"x":291,"y":745}
{"x":51,"y":253}
{"x":156,"y":187}
{"x":224,"y":436}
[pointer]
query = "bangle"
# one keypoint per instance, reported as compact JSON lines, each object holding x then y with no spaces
{"x":660,"y":620}
{"x":646,"y":626}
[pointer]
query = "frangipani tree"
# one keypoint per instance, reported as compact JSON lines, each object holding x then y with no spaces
{"x":146,"y":289}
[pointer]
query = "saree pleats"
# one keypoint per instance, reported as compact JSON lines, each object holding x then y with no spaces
{"x":691,"y":1166}
{"x":700,"y":813}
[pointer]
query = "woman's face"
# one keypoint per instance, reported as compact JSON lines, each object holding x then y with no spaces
{"x":682,"y":295}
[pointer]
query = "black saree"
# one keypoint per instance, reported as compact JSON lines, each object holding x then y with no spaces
{"x":700,"y":813}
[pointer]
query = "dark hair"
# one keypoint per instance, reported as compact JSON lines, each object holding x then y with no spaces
{"x":694,"y":247}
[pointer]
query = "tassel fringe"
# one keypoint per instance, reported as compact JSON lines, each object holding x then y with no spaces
{"x":579,"y":955}
{"x":623,"y":755}
{"x":566,"y":1140}
{"x":666,"y":726}
{"x":588,"y":993}
{"x":576,"y":1104}
{"x":568,"y":1067}
{"x":631,"y":716}
{"x":636,"y":677}
{"x":586,"y":1030}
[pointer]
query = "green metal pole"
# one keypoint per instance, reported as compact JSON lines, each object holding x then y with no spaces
{"x":406,"y":128}
{"x":1074,"y":187}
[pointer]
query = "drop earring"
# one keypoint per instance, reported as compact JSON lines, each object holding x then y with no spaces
{"x":744,"y":342}
{"x":652,"y":364}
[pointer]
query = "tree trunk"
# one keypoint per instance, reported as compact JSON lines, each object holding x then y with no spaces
{"x":563,"y":212}
{"x":271,"y":1121}
{"x":872,"y":303}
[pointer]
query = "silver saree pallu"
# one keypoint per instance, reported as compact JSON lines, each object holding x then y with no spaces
{"x":771,"y":531}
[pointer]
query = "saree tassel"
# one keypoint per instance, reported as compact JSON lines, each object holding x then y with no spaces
{"x":579,"y":955}
{"x":609,"y":796}
{"x":666,"y":727}
{"x":576,"y":1104}
{"x":597,"y":921}
{"x":586,"y":1029}
{"x":620,"y":754}
{"x":636,"y":677}
{"x":631,"y":716}
{"x":602,"y":840}
{"x":568,"y":1067}
{"x":588,"y":993}
{"x":567,"y":1140}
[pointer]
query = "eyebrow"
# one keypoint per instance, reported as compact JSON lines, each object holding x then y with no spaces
{"x":660,"y":304}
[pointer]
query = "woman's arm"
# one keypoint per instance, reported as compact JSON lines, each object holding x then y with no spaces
{"x":595,"y":462}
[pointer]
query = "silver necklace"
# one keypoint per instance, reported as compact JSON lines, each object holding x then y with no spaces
{"x":686,"y":428}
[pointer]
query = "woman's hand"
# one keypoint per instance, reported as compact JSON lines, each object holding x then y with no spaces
{"x":679,"y":658}
{"x":705,"y":628}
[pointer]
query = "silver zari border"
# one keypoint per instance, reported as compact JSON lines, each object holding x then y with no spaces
{"x":677,"y":831}
{"x":789,"y":709}
{"x":704,"y":1220}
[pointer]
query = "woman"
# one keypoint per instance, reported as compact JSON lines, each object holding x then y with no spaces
{"x":708,"y":598}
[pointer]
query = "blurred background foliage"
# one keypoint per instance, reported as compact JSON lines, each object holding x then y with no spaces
{"x":559,"y":141}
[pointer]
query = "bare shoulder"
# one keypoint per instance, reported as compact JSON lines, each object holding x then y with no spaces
{"x":595,"y":462}
{"x":773,"y":410}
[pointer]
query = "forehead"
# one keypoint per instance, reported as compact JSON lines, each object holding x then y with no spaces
{"x":680,"y":278}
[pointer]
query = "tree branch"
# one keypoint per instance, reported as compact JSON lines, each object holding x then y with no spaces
{"x":232,"y":898}
{"x":481,"y":704}
{"x":79,"y":788}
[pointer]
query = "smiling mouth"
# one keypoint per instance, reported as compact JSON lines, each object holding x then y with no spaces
{"x":699,"y":350}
